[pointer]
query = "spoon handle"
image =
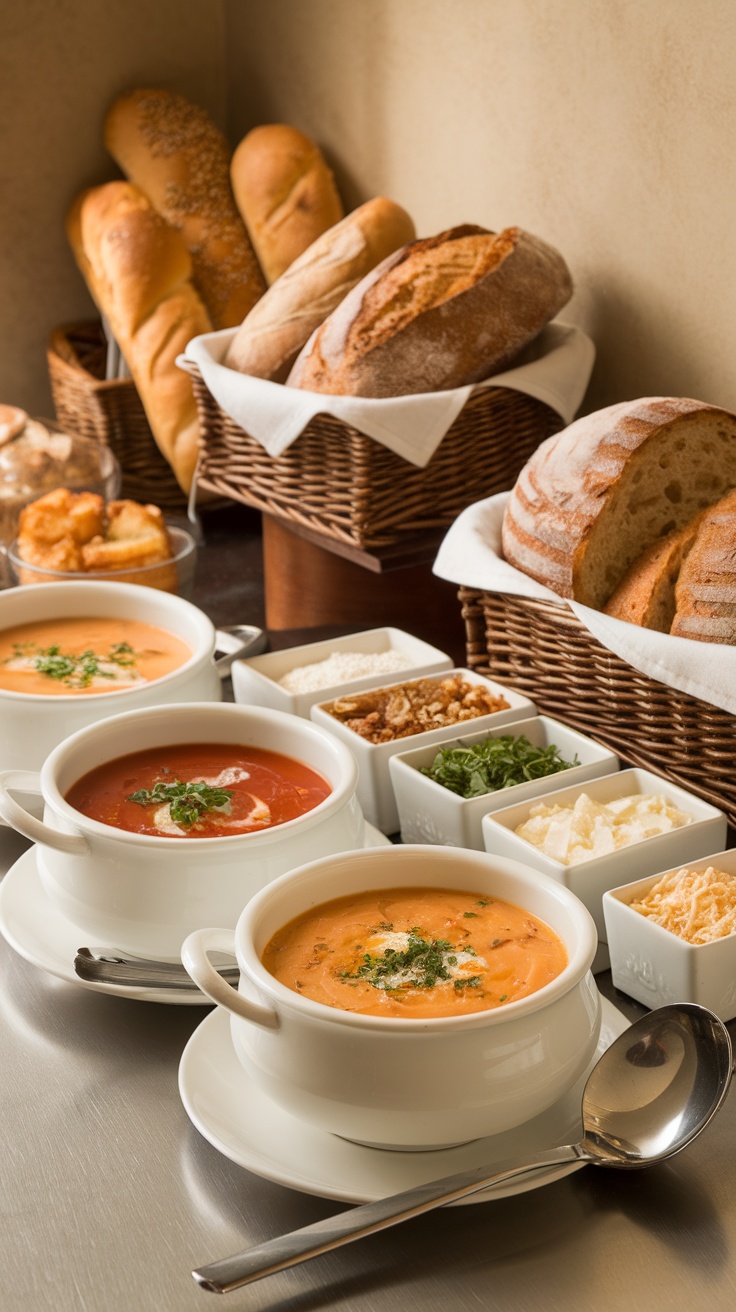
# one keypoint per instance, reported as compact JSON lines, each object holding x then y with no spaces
{"x":288,"y":1250}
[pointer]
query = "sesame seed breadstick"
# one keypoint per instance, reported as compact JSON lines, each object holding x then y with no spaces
{"x":180,"y":159}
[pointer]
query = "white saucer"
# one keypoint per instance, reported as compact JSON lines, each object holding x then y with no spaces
{"x":240,"y":1121}
{"x":39,"y":933}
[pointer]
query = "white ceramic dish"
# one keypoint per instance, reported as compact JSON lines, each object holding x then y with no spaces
{"x":375,"y":788}
{"x":32,"y":725}
{"x":143,"y":892}
{"x":257,"y":680}
{"x":320,"y":1062}
{"x":657,"y":967}
{"x":590,"y":880}
{"x":431,"y":813}
{"x":38,"y":932}
{"x":240,"y":1121}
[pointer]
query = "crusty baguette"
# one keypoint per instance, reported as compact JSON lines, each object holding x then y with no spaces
{"x":285,"y":192}
{"x":594,"y":496}
{"x":272,"y":335}
{"x":646,"y":593}
{"x":173,"y":151}
{"x":705,"y":593}
{"x":442,"y":312}
{"x":141,"y":279}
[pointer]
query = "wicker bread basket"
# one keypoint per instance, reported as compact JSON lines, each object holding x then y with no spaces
{"x":109,"y":411}
{"x":545,"y":652}
{"x":338,"y":482}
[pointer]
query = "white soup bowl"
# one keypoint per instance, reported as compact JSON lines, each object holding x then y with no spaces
{"x":407,"y":1083}
{"x":34,"y":723}
{"x":143,"y":893}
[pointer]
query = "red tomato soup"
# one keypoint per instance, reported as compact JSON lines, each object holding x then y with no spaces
{"x":415,"y":952}
{"x":198,"y":790}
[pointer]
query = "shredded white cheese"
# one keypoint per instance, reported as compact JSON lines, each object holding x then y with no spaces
{"x":697,"y":905}
{"x":341,"y":667}
{"x":589,"y":829}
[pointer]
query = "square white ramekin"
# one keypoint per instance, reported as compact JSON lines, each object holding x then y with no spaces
{"x":431,"y":813}
{"x":655,"y":966}
{"x":375,"y":789}
{"x":591,"y":879}
{"x":256,"y":680}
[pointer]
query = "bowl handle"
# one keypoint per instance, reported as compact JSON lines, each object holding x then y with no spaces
{"x":15,"y":815}
{"x":194,"y":955}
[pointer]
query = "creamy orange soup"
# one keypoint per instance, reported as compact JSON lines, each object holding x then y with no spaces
{"x":75,"y":656}
{"x":415,"y":952}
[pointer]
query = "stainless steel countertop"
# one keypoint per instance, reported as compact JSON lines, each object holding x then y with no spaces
{"x":110,"y":1196}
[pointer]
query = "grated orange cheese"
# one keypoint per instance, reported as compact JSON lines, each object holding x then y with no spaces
{"x":697,"y":905}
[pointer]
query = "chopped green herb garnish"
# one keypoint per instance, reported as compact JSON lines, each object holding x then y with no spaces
{"x":468,"y":914}
{"x":471,"y":982}
{"x":75,"y":671}
{"x":421,"y":964}
{"x":494,"y":764}
{"x":187,"y":801}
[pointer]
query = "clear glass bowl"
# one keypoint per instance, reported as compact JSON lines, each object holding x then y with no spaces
{"x":43,"y":458}
{"x":175,"y":575}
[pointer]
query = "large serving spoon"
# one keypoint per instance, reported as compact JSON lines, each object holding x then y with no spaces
{"x":653,"y":1090}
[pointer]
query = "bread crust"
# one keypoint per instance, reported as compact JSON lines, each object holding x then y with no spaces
{"x":646,"y":593}
{"x":174,"y":152}
{"x":594,"y":496}
{"x":141,"y":280}
{"x":705,"y":593}
{"x":446,"y":311}
{"x":271,"y":336}
{"x":285,"y":193}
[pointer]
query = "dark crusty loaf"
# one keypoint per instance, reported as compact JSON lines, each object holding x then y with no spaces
{"x":285,"y":192}
{"x":272,"y":335}
{"x":178,"y":157}
{"x":705,"y":593}
{"x":443,"y":312}
{"x":140,"y":274}
{"x":646,"y":593}
{"x":593,"y":497}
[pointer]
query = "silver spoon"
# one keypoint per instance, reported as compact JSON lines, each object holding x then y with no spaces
{"x":109,"y":966}
{"x":238,"y":641}
{"x":648,"y":1096}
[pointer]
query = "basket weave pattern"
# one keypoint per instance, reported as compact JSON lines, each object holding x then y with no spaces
{"x":108,"y":411}
{"x":337,"y":481}
{"x":545,"y":652}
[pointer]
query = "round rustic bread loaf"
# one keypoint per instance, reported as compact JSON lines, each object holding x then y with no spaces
{"x":442,"y":312}
{"x":705,"y":594}
{"x":593,"y":497}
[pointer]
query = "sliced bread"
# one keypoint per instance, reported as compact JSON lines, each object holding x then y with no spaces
{"x":646,"y":593}
{"x":592,"y":498}
{"x":705,"y":593}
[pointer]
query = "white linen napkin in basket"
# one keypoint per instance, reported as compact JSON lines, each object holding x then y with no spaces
{"x":555,"y":369}
{"x":470,"y":555}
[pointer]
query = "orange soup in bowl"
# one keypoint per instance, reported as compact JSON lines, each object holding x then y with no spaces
{"x":415,"y":952}
{"x":198,"y":790}
{"x":73,"y":656}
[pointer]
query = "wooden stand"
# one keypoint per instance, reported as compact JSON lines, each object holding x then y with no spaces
{"x":308,"y":586}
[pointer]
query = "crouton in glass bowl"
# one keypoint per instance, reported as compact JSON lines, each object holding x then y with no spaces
{"x":67,"y":536}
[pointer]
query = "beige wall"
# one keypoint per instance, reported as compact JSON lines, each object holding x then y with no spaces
{"x":61,"y":63}
{"x":606,"y":126}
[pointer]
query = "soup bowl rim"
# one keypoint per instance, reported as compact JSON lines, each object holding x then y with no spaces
{"x":580,"y":948}
{"x":204,"y":650}
{"x":339,"y":791}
